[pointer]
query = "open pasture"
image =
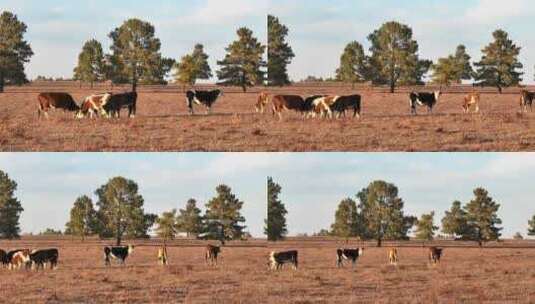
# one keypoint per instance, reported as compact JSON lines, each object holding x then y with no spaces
{"x":163,"y":124}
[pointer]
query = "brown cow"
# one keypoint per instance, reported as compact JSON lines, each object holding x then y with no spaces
{"x":471,"y":100}
{"x":20,"y":258}
{"x":393,"y":256}
{"x":49,"y":101}
{"x":262,"y":102}
{"x":526,"y":99}
{"x":322,"y":106}
{"x":287,"y":102}
{"x":435,"y":254}
{"x":211,"y":254}
{"x":94,"y":104}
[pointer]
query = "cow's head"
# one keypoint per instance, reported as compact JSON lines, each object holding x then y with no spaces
{"x":130,"y":249}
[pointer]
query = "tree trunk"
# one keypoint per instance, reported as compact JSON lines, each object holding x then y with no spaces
{"x":379,"y":242}
{"x":119,"y":236}
{"x":91,"y":84}
{"x":500,"y":90}
{"x":392,"y":87}
{"x":134,"y":79}
{"x":2,"y":82}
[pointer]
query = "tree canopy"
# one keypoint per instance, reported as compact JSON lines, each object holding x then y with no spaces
{"x":425,"y":227}
{"x":353,"y":64}
{"x":190,"y":220}
{"x":83,"y":218}
{"x":10,"y":208}
{"x":91,"y":64}
{"x":345,"y":219}
{"x":193,"y":66}
{"x":280,"y":53}
{"x":276,"y":228}
{"x":223,"y":215}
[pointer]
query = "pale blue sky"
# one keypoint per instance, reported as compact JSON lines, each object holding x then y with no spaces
{"x":48,"y":183}
{"x":57,"y":29}
{"x":313,"y":183}
{"x":321,"y":29}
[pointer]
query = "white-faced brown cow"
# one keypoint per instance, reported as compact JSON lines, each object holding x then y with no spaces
{"x":322,"y":106}
{"x":287,"y":102}
{"x":278,"y":259}
{"x":19,"y":258}
{"x":393,"y":256}
{"x":471,"y":101}
{"x":526,"y":100}
{"x":262,"y":102}
{"x":48,"y":101}
{"x":211,"y":254}
{"x":162,"y":256}
{"x":435,"y":254}
{"x":348,"y":255}
{"x":94,"y":105}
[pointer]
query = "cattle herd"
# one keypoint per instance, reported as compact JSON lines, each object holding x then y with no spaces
{"x":278,"y":259}
{"x":109,"y":105}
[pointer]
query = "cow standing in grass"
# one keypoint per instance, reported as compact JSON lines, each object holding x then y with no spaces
{"x":471,"y":101}
{"x":41,"y":257}
{"x":211,"y":254}
{"x":348,"y":255}
{"x":118,"y":102}
{"x":262,"y":102}
{"x":19,"y":258}
{"x":435,"y":254}
{"x":94,"y":105}
{"x":278,"y":259}
{"x":48,"y":101}
{"x":344,"y":103}
{"x":393,"y":256}
{"x":526,"y":100}
{"x":424,"y":99}
{"x":283,"y":103}
{"x":3,"y":259}
{"x":119,"y":253}
{"x":205,"y":98}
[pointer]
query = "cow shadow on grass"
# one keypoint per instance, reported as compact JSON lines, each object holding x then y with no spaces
{"x":204,"y":115}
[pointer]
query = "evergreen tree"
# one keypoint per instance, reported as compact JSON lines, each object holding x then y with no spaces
{"x":454,"y":68}
{"x":394,"y":58}
{"x":223,"y":217}
{"x":353,"y":64}
{"x":166,"y":226}
{"x":454,"y":221}
{"x":463,"y":61}
{"x":345,"y":219}
{"x":280,"y":53}
{"x":531,"y":229}
{"x":382,"y":213}
{"x":10,"y":208}
{"x":136,"y":54}
{"x":276,"y":221}
{"x":189,"y":220}
{"x":91,"y":63}
{"x":425,"y":228}
{"x":14,"y":50}
{"x":482,"y":217}
{"x":121,"y":210}
{"x":499,"y":65}
{"x":243,"y":64}
{"x":83,"y":218}
{"x":193,"y":67}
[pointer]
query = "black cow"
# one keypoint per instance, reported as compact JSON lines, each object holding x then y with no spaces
{"x":119,"y":253}
{"x":423,"y":99}
{"x":348,"y":254}
{"x":344,"y":103}
{"x":526,"y":100}
{"x":40,"y":257}
{"x":206,"y":98}
{"x":122,"y":101}
{"x":3,"y":258}
{"x":278,"y":259}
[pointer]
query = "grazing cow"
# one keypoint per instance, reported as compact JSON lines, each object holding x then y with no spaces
{"x":122,"y":101}
{"x":344,"y":103}
{"x":206,"y":98}
{"x":393,"y":256}
{"x":526,"y":99}
{"x":322,"y":106}
{"x":287,"y":102}
{"x":40,"y":257}
{"x":309,"y":104}
{"x":348,"y":255}
{"x":162,"y":256}
{"x":119,"y":253}
{"x":210,"y":256}
{"x":278,"y":259}
{"x":471,"y":100}
{"x":262,"y":102}
{"x":424,"y":99}
{"x":3,"y":259}
{"x":62,"y":101}
{"x":94,"y":104}
{"x":19,"y":258}
{"x":435,"y":254}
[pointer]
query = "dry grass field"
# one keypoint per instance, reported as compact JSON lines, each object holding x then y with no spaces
{"x":465,"y":275}
{"x":162,"y":124}
{"x":82,"y":278}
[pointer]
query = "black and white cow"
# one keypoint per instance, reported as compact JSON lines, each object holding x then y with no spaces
{"x":348,"y":255}
{"x":118,"y":102}
{"x":41,"y":257}
{"x":278,"y":259}
{"x":205,"y":98}
{"x":119,"y":253}
{"x":308,"y":105}
{"x":343,"y":103}
{"x":424,"y":99}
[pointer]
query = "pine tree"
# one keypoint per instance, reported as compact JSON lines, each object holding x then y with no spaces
{"x":276,"y":221}
{"x":243,"y":64}
{"x":482,"y":217}
{"x":121,"y":210}
{"x":454,"y":221}
{"x":353,"y":64}
{"x":83,"y":218}
{"x":223,"y":217}
{"x":91,"y":65}
{"x":425,"y":228}
{"x":454,"y":68}
{"x":14,"y":50}
{"x":499,"y":65}
{"x":382,"y":213}
{"x":531,"y":229}
{"x":345,"y":219}
{"x":394,"y":58}
{"x":280,"y":53}
{"x":166,"y":226}
{"x":189,"y":220}
{"x":136,"y":54}
{"x":193,"y":67}
{"x":463,"y":61}
{"x":10,"y":208}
